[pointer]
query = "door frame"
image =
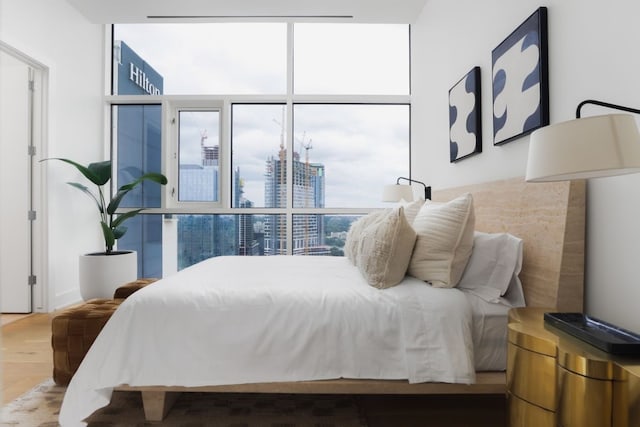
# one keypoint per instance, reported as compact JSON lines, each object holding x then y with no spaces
{"x":40,"y":293}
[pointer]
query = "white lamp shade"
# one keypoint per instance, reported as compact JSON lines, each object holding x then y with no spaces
{"x":589,"y":147}
{"x":396,"y":193}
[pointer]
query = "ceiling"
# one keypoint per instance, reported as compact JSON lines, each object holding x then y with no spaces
{"x":129,"y":11}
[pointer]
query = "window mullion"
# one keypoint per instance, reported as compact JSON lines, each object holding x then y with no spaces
{"x":289,"y":137}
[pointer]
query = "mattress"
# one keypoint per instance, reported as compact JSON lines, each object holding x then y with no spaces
{"x":489,"y":332}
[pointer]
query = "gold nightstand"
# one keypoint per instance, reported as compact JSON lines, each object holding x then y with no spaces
{"x":554,"y":379}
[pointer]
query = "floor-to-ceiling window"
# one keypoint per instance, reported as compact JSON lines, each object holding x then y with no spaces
{"x":274,"y":136}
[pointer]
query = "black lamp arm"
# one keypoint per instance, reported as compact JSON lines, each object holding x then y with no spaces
{"x":427,"y":189}
{"x":605,"y":104}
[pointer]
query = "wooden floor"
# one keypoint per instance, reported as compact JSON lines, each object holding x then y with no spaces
{"x":27,"y":361}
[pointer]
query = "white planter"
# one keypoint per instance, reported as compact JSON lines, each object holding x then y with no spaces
{"x":101,"y":275}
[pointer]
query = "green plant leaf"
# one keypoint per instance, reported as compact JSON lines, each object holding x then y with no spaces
{"x":102,"y":170}
{"x":115,"y":200}
{"x":98,"y":173}
{"x":85,"y":190}
{"x":109,"y":238}
{"x":122,"y":191}
{"x":118,"y":232}
{"x":124,"y":216}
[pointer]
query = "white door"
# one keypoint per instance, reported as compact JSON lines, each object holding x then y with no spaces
{"x":15,"y":185}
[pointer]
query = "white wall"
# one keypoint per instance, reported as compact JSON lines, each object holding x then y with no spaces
{"x":56,"y":35}
{"x":593,"y":54}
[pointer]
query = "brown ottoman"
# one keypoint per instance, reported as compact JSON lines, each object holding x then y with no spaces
{"x":125,"y":290}
{"x":73,"y":331}
{"x":76,"y":328}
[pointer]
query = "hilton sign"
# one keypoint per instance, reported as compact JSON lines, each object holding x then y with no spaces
{"x":137,"y":76}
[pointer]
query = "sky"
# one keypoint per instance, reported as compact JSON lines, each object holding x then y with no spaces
{"x":363,"y":147}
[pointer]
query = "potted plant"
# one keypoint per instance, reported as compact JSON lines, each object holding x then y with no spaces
{"x":102,"y":272}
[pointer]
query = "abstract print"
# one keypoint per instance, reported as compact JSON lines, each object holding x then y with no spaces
{"x":465,"y":130}
{"x":520,"y":87}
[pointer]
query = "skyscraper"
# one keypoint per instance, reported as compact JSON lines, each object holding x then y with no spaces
{"x":139,"y":145}
{"x":308,"y":192}
{"x":249,"y":242}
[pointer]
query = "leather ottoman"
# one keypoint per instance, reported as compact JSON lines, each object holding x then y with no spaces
{"x":76,"y":328}
{"x":72,"y":333}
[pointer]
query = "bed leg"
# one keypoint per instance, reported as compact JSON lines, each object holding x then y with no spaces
{"x":158,"y":403}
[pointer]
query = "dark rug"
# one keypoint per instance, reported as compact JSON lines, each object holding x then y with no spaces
{"x":40,"y":406}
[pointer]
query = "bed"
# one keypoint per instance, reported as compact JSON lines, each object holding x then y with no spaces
{"x":549,"y":218}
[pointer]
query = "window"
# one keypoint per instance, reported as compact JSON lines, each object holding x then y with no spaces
{"x":262,"y":159}
{"x":259,"y":142}
{"x":348,"y":152}
{"x":198,"y":156}
{"x":371,"y":59}
{"x":195,"y":59}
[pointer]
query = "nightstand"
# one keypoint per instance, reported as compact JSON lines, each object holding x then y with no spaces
{"x":554,"y":379}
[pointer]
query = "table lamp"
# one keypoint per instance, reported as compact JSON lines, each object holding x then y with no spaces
{"x":584,"y":148}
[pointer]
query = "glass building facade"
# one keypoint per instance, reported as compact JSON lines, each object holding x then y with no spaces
{"x":138,"y":146}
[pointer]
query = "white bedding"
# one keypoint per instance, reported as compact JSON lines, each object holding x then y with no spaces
{"x":489,"y":333}
{"x":231,"y":320}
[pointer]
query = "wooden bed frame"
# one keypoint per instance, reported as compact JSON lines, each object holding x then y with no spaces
{"x":549,"y":217}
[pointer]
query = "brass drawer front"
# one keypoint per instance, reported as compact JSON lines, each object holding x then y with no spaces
{"x":531,"y":376}
{"x":583,"y":402}
{"x":626,"y":400}
{"x":585,"y":365}
{"x":524,"y":414}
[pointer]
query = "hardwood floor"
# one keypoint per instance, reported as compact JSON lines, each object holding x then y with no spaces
{"x":27,"y":361}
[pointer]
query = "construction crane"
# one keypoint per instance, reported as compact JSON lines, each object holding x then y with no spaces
{"x":203,"y":136}
{"x":281,"y":185}
{"x":307,"y":145}
{"x":203,"y":154}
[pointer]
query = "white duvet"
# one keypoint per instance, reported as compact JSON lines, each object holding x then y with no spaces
{"x":233,"y":320}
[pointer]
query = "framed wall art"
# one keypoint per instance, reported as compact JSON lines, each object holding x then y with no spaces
{"x":465,"y":124}
{"x":521,"y":80}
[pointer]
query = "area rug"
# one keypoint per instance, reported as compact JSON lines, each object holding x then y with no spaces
{"x":40,"y":406}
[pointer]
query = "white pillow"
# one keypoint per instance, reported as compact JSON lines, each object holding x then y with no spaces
{"x":385,"y":249}
{"x":444,"y":243}
{"x":494,"y":263}
{"x":514,"y":297}
{"x":411,"y":209}
{"x":352,"y":240}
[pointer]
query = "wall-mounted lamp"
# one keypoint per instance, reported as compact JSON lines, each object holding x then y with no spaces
{"x":589,"y":147}
{"x":397,"y":192}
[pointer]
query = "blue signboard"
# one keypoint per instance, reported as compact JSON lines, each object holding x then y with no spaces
{"x":134,"y":75}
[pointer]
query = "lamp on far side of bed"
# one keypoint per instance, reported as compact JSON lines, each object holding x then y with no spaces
{"x":592,"y":147}
{"x":397,"y":192}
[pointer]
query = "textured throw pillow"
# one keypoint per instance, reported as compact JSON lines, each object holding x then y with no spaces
{"x":352,"y":240}
{"x":491,"y":267}
{"x":411,"y":209}
{"x":444,"y":242}
{"x":385,"y":249}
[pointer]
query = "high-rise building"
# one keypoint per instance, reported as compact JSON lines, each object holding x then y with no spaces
{"x":249,"y":242}
{"x":202,"y":236}
{"x":139,"y":148}
{"x":308,"y":192}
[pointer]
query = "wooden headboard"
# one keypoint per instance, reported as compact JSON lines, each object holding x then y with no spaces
{"x":550,"y":218}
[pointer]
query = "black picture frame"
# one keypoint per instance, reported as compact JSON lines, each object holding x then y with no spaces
{"x":520,"y":75}
{"x":465,"y":119}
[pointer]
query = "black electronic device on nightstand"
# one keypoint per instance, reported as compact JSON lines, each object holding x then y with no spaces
{"x":600,"y":334}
